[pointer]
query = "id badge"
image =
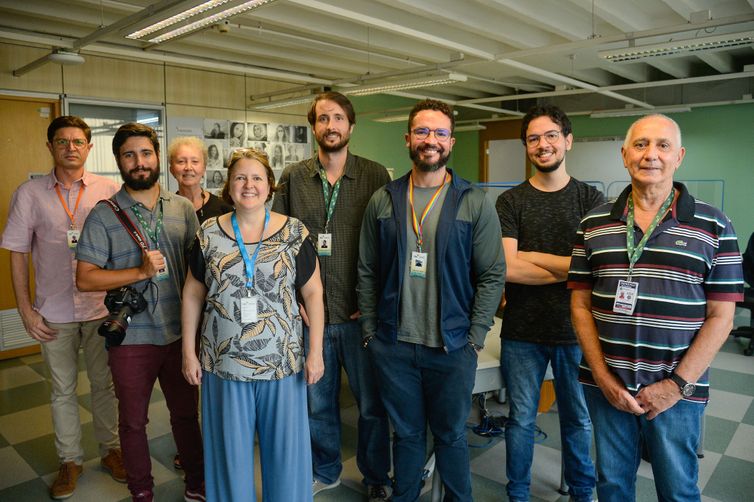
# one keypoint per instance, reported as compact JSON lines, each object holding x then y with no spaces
{"x":324,"y":244}
{"x":625,"y":297}
{"x":418,"y":266}
{"x":73,"y":237}
{"x":162,"y":274}
{"x":249,"y":312}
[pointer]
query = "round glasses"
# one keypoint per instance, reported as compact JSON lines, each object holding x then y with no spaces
{"x":550,"y":136}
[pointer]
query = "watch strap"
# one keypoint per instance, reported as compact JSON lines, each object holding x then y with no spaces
{"x":680,"y":382}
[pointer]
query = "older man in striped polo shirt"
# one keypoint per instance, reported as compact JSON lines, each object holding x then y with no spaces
{"x":655,"y":277}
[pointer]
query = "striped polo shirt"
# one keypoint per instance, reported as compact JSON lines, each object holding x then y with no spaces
{"x":691,"y":257}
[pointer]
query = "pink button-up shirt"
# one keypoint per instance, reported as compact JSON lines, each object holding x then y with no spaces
{"x":38,"y":223}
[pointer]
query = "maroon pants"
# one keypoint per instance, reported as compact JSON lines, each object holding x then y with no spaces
{"x":135,"y":369}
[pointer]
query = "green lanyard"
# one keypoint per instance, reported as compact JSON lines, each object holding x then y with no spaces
{"x":634,"y":251}
{"x":154,"y":235}
{"x":330,"y":199}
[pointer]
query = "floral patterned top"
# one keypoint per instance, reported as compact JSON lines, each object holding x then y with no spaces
{"x":272,"y":347}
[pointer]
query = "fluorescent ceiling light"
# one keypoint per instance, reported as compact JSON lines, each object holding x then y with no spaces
{"x":402,"y":85}
{"x":633,"y":112}
{"x":181,"y":16}
{"x":392,"y":118}
{"x":470,"y":127}
{"x":282,"y":103}
{"x":204,"y":8}
{"x":689,"y":46}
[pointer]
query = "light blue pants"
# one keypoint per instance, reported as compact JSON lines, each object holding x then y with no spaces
{"x":232,"y":412}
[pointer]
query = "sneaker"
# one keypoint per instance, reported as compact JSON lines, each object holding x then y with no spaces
{"x":319,"y":486}
{"x":144,"y":496}
{"x":196,"y":495}
{"x":113,"y":463}
{"x":177,"y":462}
{"x":379,"y":493}
{"x":65,"y":484}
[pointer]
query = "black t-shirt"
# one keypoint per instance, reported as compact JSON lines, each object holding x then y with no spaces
{"x":214,"y":206}
{"x":545,"y":222}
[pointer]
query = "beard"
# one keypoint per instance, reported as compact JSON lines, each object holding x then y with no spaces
{"x":140,"y":183}
{"x":547,"y":169}
{"x":428,"y":167}
{"x":330,"y":148}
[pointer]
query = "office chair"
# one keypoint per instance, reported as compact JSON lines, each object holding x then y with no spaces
{"x":748,"y":301}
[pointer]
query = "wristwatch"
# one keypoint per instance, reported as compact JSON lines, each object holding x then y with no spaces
{"x":687,"y":388}
{"x":366,"y":341}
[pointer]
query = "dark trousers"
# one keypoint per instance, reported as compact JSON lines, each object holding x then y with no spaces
{"x":135,"y":368}
{"x":421,"y":385}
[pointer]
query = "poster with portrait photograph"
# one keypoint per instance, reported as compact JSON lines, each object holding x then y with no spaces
{"x":279,"y":133}
{"x":300,"y":134}
{"x":257,"y":131}
{"x":237,"y":137}
{"x":216,"y":153}
{"x":215,"y":180}
{"x":215,"y":129}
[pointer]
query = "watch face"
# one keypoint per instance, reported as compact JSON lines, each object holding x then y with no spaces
{"x":688,"y":390}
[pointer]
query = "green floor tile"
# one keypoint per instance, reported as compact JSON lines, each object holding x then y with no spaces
{"x":30,"y":491}
{"x":10,"y":363}
{"x":3,"y":442}
{"x":717,"y":433}
{"x":749,"y":416}
{"x":732,"y":381}
{"x":24,"y":397}
{"x":40,"y":454}
{"x":163,"y":449}
{"x":733,"y":479}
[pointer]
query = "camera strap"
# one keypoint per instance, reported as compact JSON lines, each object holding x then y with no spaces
{"x":127,"y":224}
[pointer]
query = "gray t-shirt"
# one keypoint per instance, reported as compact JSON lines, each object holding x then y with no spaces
{"x":420,"y":320}
{"x":104,"y":242}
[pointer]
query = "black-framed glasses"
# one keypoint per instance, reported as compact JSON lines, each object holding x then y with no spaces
{"x":423,"y":133}
{"x":550,"y":136}
{"x":63,"y":142}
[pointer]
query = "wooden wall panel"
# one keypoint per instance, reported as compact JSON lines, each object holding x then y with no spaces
{"x":46,"y":78}
{"x":115,"y":79}
{"x":205,"y":88}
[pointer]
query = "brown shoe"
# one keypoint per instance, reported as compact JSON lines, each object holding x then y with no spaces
{"x":113,"y":463}
{"x":65,"y":484}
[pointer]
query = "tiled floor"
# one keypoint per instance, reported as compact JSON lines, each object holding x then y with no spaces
{"x":28,"y":462}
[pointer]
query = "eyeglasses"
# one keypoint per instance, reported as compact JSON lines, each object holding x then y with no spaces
{"x":550,"y":136}
{"x":63,"y":143}
{"x":423,"y":133}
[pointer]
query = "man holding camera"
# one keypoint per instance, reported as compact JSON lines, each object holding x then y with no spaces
{"x":135,"y":246}
{"x":45,"y":217}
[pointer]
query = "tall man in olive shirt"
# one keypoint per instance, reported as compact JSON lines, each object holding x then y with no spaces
{"x":329,"y":193}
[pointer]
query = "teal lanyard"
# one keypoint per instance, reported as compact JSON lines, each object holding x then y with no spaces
{"x":249,"y":263}
{"x":154,"y":235}
{"x":330,"y":198}
{"x":635,"y":251}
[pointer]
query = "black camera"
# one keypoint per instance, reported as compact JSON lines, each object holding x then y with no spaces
{"x":122,"y":304}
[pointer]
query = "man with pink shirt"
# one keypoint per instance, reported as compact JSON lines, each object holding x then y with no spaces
{"x":45,"y":217}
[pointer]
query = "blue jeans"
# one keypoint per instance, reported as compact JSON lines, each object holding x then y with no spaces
{"x":421,"y":384}
{"x":342,"y":348}
{"x":523,"y":365}
{"x":671,"y":439}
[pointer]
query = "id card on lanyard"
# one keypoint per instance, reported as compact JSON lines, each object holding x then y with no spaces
{"x":73,"y":233}
{"x":154,"y":235}
{"x":249,"y":303}
{"x":324,"y":240}
{"x":627,"y":292}
{"x":419,"y":258}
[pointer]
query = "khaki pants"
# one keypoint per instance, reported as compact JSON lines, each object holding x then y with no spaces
{"x":61,"y":356}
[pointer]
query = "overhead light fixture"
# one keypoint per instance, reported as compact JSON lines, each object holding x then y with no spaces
{"x":181,"y":16}
{"x":204,"y":8}
{"x":392,"y":118}
{"x":402,"y":85}
{"x":678,"y":47}
{"x":63,"y":57}
{"x":282,"y":103}
{"x":470,"y":127}
{"x":634,"y":112}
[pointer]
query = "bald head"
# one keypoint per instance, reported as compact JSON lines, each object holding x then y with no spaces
{"x":654,"y":117}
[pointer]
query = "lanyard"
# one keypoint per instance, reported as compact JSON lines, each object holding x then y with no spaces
{"x":154,"y":235}
{"x":71,"y":215}
{"x":250,"y":263}
{"x":418,"y":226}
{"x":634,"y":251}
{"x":330,"y":199}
